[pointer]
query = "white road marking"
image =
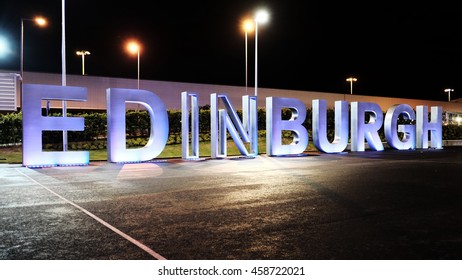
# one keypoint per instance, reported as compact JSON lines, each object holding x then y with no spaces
{"x":99,"y":220}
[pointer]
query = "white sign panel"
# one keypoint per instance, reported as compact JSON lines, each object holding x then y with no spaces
{"x":8,"y":87}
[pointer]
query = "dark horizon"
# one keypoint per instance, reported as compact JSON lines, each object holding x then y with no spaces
{"x":402,"y":50}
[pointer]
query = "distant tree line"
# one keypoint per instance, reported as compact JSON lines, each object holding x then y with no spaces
{"x":138,"y":128}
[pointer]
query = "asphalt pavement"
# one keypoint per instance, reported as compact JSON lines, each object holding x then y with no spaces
{"x":388,"y":205}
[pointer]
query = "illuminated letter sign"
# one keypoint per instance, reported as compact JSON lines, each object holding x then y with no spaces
{"x":366,"y":121}
{"x":186,"y":122}
{"x":360,"y":129}
{"x":223,"y":120}
{"x":319,"y":124}
{"x":435,"y":127}
{"x":392,"y":128}
{"x":250,"y":121}
{"x":34,"y":123}
{"x":117,"y":148}
{"x":275,"y":125}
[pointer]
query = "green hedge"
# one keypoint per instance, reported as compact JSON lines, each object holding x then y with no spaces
{"x":11,"y":128}
{"x":137,"y":124}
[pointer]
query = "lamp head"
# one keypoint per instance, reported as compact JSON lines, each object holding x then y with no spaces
{"x":261,"y":16}
{"x":248,"y":25}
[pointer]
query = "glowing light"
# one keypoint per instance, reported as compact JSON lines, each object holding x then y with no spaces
{"x":41,"y":21}
{"x":458,"y":119}
{"x":82,"y":53}
{"x":248,"y":25}
{"x":262,"y":16}
{"x":4,"y":47}
{"x":351,"y":80}
{"x":133,"y":47}
{"x":448,"y":91}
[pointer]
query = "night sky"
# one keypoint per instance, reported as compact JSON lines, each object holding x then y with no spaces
{"x":394,"y":49}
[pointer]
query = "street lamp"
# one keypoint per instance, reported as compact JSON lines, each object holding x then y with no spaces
{"x":261,"y":16}
{"x":40,"y":21}
{"x":63,"y":65}
{"x":351,"y":80}
{"x":248,"y":27}
{"x":133,"y":47}
{"x":448,"y":90}
{"x":83,"y":53}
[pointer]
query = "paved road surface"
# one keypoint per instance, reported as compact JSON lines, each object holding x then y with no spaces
{"x":364,"y":205}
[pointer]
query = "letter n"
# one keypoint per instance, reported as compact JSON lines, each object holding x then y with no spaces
{"x":227,"y":120}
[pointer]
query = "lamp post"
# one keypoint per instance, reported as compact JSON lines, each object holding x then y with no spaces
{"x":248,"y":27}
{"x":133,"y":47}
{"x":83,"y":53}
{"x":261,"y":16}
{"x":63,"y":66}
{"x":448,"y":90}
{"x":351,"y":80}
{"x":40,"y":21}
